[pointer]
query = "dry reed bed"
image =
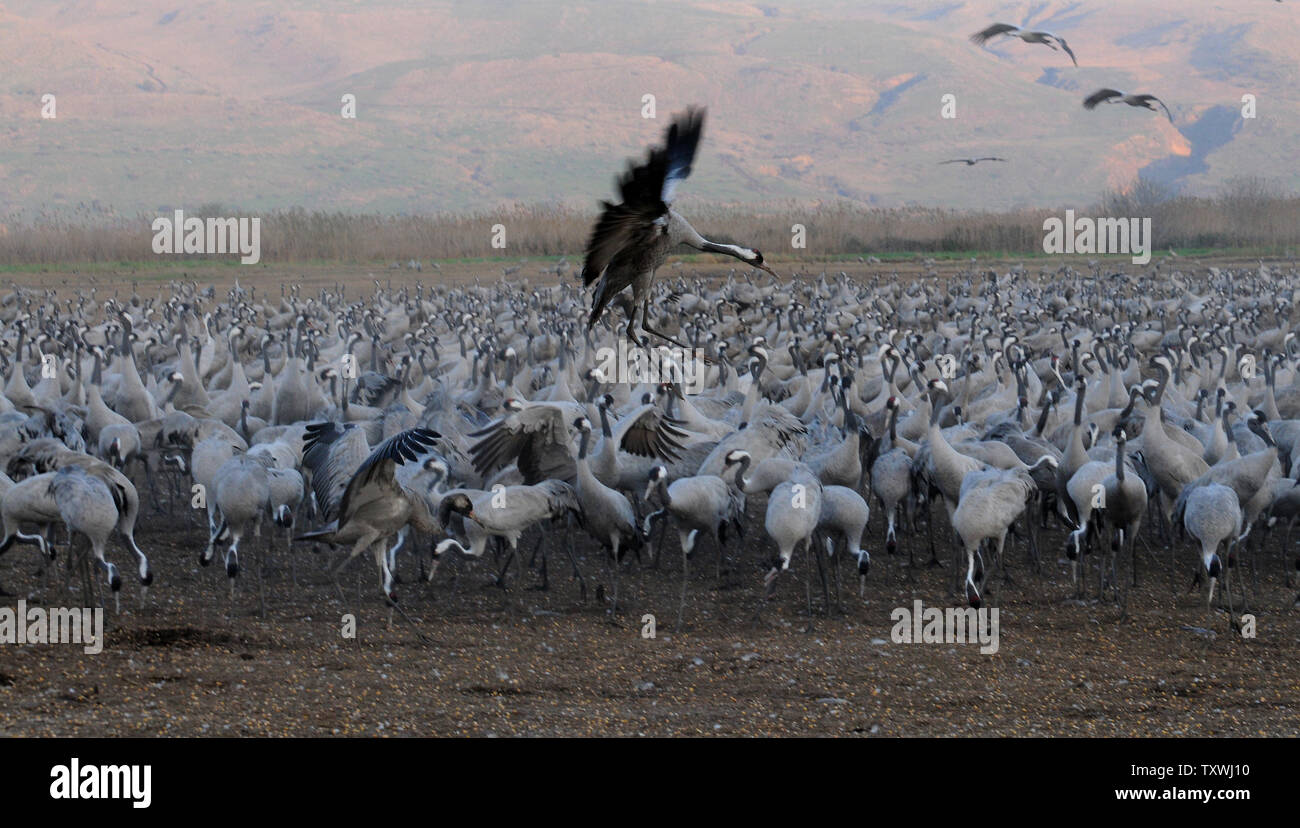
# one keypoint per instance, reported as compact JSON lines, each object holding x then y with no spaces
{"x":1245,"y":216}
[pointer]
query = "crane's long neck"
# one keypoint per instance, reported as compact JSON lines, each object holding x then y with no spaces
{"x":733,"y":250}
{"x":682,"y":232}
{"x":1119,"y":461}
{"x":1042,"y":418}
{"x":662,"y":485}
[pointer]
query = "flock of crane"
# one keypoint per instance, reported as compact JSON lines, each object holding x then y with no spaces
{"x":1055,"y":42}
{"x":1126,"y":408}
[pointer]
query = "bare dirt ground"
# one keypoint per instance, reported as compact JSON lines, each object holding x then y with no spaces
{"x":527,"y":662}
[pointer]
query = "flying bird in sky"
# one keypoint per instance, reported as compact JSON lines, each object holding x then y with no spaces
{"x":970,"y":162}
{"x":1116,"y":96}
{"x":1006,"y":29}
{"x":632,"y":239}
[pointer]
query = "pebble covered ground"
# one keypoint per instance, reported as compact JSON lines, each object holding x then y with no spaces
{"x":524,"y":662}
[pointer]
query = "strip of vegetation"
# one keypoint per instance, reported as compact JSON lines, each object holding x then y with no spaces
{"x":1247,"y":216}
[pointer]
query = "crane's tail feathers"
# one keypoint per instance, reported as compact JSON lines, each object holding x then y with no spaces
{"x":598,"y":303}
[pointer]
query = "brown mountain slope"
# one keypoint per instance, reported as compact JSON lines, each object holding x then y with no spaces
{"x":465,"y":105}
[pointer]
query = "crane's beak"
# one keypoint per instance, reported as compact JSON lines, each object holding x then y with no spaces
{"x":474,"y":517}
{"x":769,"y":271}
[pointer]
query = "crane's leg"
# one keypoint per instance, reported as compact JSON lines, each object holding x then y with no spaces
{"x":909,"y":540}
{"x":293,"y":559}
{"x":545,"y":584}
{"x":397,"y":547}
{"x":659,"y":546}
{"x":720,"y":537}
{"x":499,"y":580}
{"x":385,"y":574}
{"x":645,"y":326}
{"x":232,"y":569}
{"x":613,"y":607}
{"x":83,"y":567}
{"x":1160,"y":508}
{"x":1034,"y":557}
{"x":686,"y":576}
{"x":205,"y":557}
{"x":1121,"y":585}
{"x":825,"y":578}
{"x":360,"y":546}
{"x":380,"y":551}
{"x":1286,"y":549}
{"x":972,"y":591}
{"x":573,"y":559}
{"x":261,"y":577}
{"x":1227,"y":592}
{"x":835,"y":568}
{"x":929,"y":531}
{"x":996,"y":564}
{"x":807,"y":584}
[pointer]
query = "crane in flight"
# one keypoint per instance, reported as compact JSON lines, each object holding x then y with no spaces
{"x":1007,"y":30}
{"x":1116,"y":96}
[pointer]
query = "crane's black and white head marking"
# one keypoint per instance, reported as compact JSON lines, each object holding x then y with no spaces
{"x":735,"y":456}
{"x":1162,"y":361}
{"x":458,"y":503}
{"x":582,"y":424}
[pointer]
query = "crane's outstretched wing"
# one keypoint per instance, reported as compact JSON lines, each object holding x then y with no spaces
{"x":620,"y":227}
{"x":536,"y":439}
{"x":1100,"y":96}
{"x":1065,"y":46}
{"x":985,"y":35}
{"x":679,"y":150}
{"x":376,"y":477}
{"x":332,"y":451}
{"x":1149,"y":98}
{"x":372,"y":389}
{"x":649,"y":432}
